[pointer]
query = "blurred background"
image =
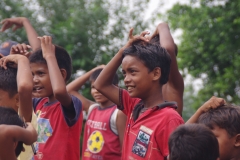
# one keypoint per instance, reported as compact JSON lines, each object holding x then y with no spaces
{"x":207,"y":33}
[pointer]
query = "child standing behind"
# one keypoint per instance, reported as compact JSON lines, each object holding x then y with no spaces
{"x":150,"y":120}
{"x":105,"y":125}
{"x":59,"y":114}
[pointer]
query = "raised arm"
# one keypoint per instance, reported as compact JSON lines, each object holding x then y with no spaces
{"x":75,"y":85}
{"x":212,"y":103}
{"x":173,"y":90}
{"x":57,"y":75}
{"x":19,"y":22}
{"x":24,"y":81}
{"x":104,"y":81}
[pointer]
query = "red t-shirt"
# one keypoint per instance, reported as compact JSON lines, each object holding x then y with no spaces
{"x":147,"y":137}
{"x":100,"y":141}
{"x":58,"y":135}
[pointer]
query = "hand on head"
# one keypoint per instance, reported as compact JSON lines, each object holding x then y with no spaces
{"x":135,"y":38}
{"x":22,"y":49}
{"x":213,"y":103}
{"x":48,"y":48}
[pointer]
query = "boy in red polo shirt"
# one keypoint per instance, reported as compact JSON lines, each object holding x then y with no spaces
{"x":150,"y":119}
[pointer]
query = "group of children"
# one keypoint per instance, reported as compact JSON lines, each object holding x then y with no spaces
{"x":140,"y":122}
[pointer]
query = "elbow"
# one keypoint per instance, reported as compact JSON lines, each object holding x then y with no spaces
{"x":25,"y":87}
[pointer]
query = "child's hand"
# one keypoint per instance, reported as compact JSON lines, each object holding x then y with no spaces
{"x":9,"y":22}
{"x":1,"y":56}
{"x":212,"y":103}
{"x":11,"y":60}
{"x":48,"y":48}
{"x":22,"y":49}
{"x":136,"y":38}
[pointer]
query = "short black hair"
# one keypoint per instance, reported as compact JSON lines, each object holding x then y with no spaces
{"x":193,"y":142}
{"x":96,"y":73}
{"x":63,"y":59}
{"x":152,"y":55}
{"x":9,"y":116}
{"x":226,"y":117}
{"x":8,"y":80}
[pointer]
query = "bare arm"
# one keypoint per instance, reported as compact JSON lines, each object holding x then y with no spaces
{"x":121,"y":124}
{"x":104,"y":81}
{"x":24,"y":83}
{"x":75,"y":85}
{"x":56,"y":75}
{"x":22,"y":22}
{"x":173,"y":90}
{"x":212,"y":103}
{"x":26,"y":135}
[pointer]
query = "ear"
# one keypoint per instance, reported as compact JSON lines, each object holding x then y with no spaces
{"x":156,"y":73}
{"x":237,"y":140}
{"x":64,"y":73}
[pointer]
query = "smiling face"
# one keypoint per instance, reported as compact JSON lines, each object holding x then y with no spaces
{"x":137,"y":77}
{"x":226,"y":143}
{"x":41,"y":81}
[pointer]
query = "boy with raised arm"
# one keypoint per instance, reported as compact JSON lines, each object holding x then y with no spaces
{"x":59,"y":114}
{"x":104,"y":112}
{"x":16,"y":87}
{"x":150,"y":119}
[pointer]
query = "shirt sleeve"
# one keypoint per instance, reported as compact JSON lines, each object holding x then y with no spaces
{"x":76,"y":111}
{"x":127,"y":103}
{"x":164,"y":134}
{"x":35,"y":102}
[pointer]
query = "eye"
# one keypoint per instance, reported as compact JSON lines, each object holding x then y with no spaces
{"x":132,"y":71}
{"x":124,"y":73}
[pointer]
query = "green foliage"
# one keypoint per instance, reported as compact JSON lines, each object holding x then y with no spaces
{"x":210,"y":45}
{"x":92,"y":31}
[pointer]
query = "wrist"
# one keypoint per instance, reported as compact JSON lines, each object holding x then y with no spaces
{"x":25,"y":21}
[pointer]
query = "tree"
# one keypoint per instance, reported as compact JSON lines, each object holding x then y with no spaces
{"x":209,"y":46}
{"x":92,"y":31}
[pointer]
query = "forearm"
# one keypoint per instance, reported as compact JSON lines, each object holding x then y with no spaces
{"x":57,"y":81}
{"x":195,"y":116}
{"x":79,"y":82}
{"x":109,"y":71}
{"x":25,"y":87}
{"x":31,"y":34}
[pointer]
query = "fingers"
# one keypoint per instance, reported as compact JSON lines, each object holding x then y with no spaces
{"x":144,"y":33}
{"x":20,"y":49}
{"x":3,"y":62}
{"x":130,"y":34}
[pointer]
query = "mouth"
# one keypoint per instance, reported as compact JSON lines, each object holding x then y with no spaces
{"x":130,"y":88}
{"x":37,"y":89}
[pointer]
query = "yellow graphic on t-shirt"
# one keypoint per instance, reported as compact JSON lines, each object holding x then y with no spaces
{"x":95,"y":142}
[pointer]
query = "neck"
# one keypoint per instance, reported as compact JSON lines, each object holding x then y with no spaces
{"x":106,"y":104}
{"x":153,"y":98}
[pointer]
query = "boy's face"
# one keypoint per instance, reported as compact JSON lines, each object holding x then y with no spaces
{"x":6,"y":100}
{"x":98,"y":97}
{"x":137,"y":77}
{"x":226,"y":143}
{"x":41,"y":80}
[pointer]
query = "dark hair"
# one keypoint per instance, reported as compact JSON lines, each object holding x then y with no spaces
{"x":63,"y":59}
{"x":193,"y":142}
{"x":155,"y":40}
{"x":226,"y":117}
{"x":96,"y":73}
{"x":8,"y":80}
{"x":9,"y":116}
{"x":152,"y":55}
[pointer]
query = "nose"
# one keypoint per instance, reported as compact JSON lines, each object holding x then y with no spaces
{"x":126,"y":79}
{"x":35,"y":79}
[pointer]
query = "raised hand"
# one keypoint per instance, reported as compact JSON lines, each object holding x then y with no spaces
{"x":212,"y":103}
{"x":48,"y":49}
{"x":22,"y":49}
{"x":17,"y":22}
{"x":136,"y":38}
{"x":10,"y":60}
